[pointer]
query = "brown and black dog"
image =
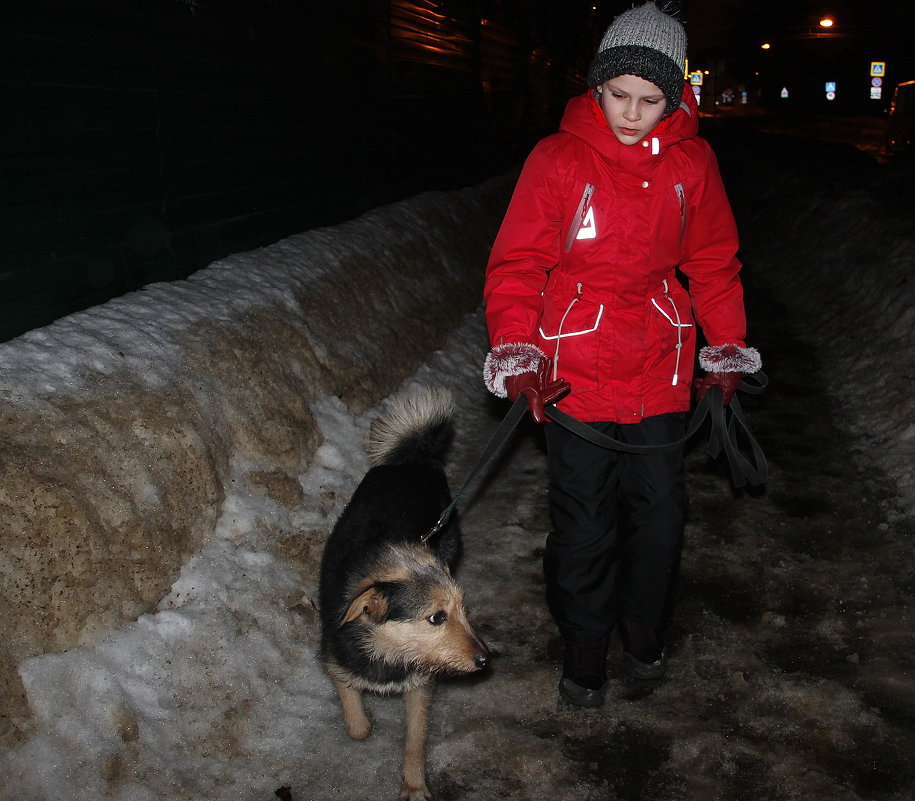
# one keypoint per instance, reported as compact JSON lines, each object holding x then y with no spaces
{"x":392,"y":617}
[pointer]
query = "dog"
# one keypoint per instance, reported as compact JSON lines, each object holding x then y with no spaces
{"x":392,"y":616}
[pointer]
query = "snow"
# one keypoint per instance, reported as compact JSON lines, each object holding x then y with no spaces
{"x":218,"y":694}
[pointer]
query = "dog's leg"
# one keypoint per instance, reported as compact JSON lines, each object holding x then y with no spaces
{"x":357,"y":722}
{"x":417,"y":702}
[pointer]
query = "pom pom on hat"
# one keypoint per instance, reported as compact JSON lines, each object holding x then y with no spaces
{"x":648,"y":43}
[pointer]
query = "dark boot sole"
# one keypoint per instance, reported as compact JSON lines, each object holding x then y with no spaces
{"x":644,"y":670}
{"x":577,"y":695}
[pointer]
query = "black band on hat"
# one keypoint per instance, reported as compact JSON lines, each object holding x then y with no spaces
{"x":643,"y":62}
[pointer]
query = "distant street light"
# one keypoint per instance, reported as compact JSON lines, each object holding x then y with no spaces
{"x":822,"y":28}
{"x":765,"y":46}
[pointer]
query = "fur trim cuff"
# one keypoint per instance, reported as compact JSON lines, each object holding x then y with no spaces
{"x":729,"y":359}
{"x":509,"y":359}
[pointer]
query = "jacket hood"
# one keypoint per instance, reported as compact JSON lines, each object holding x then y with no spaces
{"x":584,"y":119}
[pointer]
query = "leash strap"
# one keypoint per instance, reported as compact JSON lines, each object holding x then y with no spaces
{"x":500,"y":435}
{"x":724,"y":437}
{"x":726,"y":422}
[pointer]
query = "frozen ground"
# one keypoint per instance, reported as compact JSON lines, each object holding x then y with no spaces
{"x":791,"y":673}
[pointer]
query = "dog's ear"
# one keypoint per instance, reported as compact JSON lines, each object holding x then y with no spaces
{"x":373,"y":603}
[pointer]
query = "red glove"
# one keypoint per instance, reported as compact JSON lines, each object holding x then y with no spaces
{"x":537,"y":387}
{"x":728,"y":382}
{"x":724,"y":367}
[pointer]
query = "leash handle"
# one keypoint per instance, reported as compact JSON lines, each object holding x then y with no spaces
{"x":724,"y":438}
{"x":754,"y":383}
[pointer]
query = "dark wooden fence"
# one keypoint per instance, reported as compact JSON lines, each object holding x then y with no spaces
{"x":141,"y":140}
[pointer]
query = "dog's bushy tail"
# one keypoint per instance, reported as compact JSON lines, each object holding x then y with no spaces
{"x":411,"y":427}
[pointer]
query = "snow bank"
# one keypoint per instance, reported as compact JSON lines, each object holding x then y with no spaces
{"x":833,"y":238}
{"x":125,"y":425}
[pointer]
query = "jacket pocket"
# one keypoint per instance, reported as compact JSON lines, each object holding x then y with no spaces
{"x":670,"y":330}
{"x":570,"y":332}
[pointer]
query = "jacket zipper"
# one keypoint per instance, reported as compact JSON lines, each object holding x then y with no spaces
{"x":681,"y":197}
{"x":579,"y":217}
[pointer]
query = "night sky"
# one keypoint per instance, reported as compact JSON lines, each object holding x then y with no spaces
{"x":885,"y":29}
{"x":803,"y":55}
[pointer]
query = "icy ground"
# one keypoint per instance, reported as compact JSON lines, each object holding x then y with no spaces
{"x":791,"y":672}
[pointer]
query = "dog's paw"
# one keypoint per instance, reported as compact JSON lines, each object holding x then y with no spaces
{"x":359,"y":726}
{"x":411,"y":792}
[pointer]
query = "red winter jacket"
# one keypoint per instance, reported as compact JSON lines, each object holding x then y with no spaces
{"x":584,"y":265}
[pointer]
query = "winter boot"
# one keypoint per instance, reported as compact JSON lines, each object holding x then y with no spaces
{"x":584,"y":673}
{"x":643,"y":652}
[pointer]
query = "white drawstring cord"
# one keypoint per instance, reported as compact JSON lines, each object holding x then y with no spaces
{"x":676,"y":324}
{"x":559,"y":333}
{"x":679,"y":334}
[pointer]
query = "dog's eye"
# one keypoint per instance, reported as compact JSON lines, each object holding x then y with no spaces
{"x":438,"y":618}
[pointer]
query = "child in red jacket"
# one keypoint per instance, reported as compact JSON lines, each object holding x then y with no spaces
{"x":583,"y":304}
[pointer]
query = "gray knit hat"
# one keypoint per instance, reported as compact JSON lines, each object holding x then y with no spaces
{"x":645,"y":42}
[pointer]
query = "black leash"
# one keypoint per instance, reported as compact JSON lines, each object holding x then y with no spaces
{"x":724,"y":437}
{"x":499,"y":437}
{"x":727,"y":421}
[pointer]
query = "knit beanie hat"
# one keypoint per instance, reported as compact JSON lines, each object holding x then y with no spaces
{"x":645,"y":42}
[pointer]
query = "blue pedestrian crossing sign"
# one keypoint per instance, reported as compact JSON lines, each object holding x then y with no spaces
{"x":878,"y":68}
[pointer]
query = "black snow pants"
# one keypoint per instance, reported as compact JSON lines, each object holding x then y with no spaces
{"x":618,"y":521}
